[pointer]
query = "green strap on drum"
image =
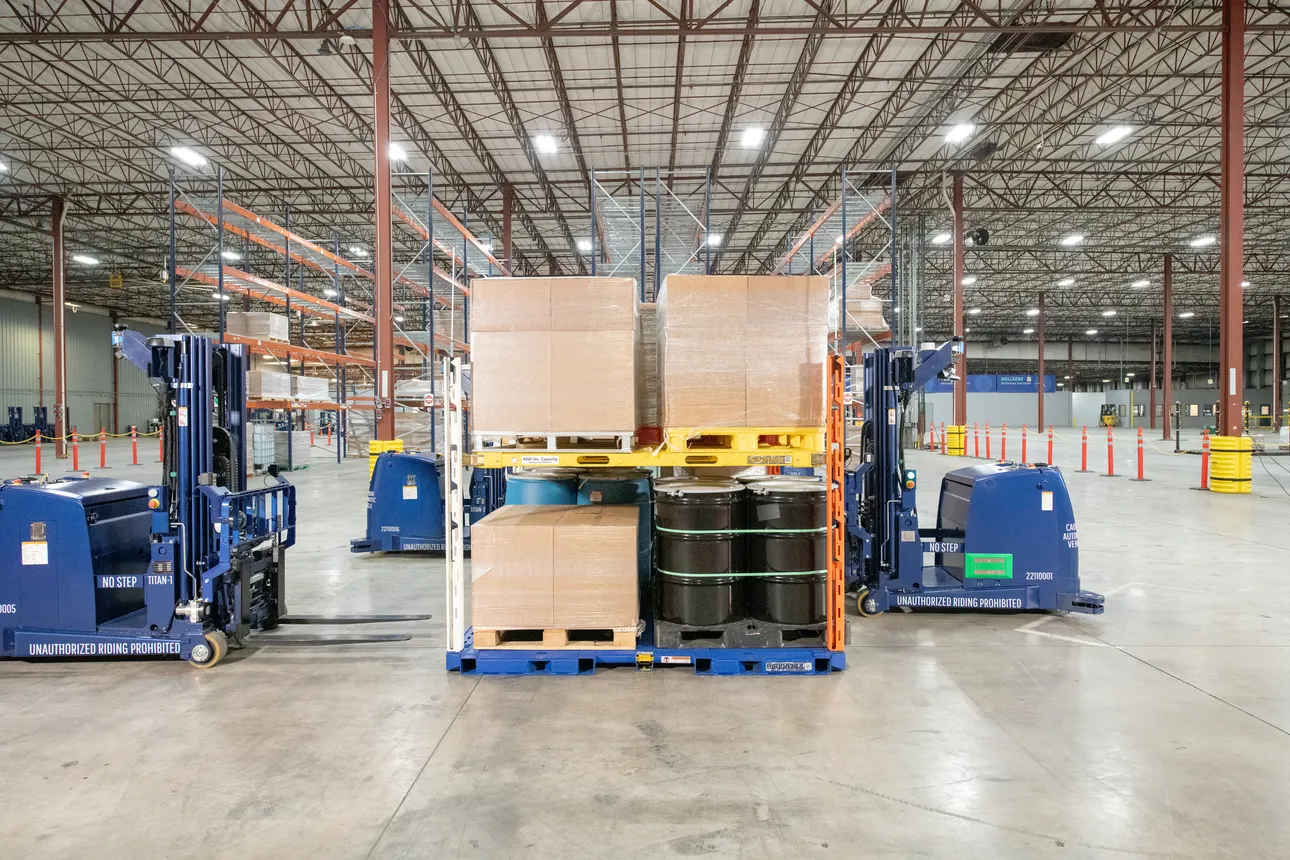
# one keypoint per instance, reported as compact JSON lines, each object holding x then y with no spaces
{"x":818,"y":531}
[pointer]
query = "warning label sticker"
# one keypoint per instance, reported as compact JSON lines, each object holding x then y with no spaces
{"x":534,"y":460}
{"x":987,"y":565}
{"x":35,"y":552}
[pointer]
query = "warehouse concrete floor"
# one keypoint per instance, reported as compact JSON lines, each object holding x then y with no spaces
{"x":1156,"y":730}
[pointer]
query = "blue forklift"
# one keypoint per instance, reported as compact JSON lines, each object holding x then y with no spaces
{"x":104,"y":567}
{"x":1005,"y":536}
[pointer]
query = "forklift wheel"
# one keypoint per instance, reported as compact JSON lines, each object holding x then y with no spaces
{"x":863,"y":598}
{"x":211,"y":652}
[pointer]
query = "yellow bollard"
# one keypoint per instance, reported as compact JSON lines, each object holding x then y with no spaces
{"x":1231,"y":464}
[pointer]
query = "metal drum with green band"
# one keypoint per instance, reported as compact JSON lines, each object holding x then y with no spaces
{"x":699,"y":550}
{"x":786,"y":540}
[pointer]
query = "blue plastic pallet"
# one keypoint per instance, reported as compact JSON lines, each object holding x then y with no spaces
{"x":704,"y":661}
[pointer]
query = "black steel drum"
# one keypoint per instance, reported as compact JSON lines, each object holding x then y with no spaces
{"x":786,"y":522}
{"x":697,"y":522}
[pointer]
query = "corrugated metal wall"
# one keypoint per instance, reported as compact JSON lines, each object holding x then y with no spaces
{"x":89,"y":368}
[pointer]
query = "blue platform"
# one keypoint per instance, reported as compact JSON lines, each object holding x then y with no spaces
{"x":703,"y":661}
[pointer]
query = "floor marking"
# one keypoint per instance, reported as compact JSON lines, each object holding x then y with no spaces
{"x":1093,"y":642}
{"x":1043,"y":619}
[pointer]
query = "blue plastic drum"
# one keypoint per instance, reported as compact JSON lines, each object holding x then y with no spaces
{"x":548,"y":487}
{"x":624,"y":487}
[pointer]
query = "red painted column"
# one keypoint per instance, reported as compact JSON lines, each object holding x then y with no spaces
{"x":1232,"y":222}
{"x":383,"y":308}
{"x":1040,"y":425}
{"x":1167,"y":360}
{"x":960,"y":363}
{"x":1151,"y":406}
{"x":1278,"y":363}
{"x":60,"y":331}
{"x":508,"y":202}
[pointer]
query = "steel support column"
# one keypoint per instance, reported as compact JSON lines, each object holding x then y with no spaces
{"x":383,"y":289}
{"x":60,"y":329}
{"x":1041,"y":362}
{"x":1278,"y":363}
{"x":960,"y":363}
{"x":1151,"y":405}
{"x":1232,"y":221}
{"x":1167,"y":359}
{"x":508,"y":202}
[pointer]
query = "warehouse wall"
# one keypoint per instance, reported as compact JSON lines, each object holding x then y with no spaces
{"x":1006,"y":408}
{"x":89,"y":367}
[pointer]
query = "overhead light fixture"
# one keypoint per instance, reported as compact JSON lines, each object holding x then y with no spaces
{"x":1113,"y":135}
{"x":486,"y":244}
{"x":4,"y":168}
{"x":398,"y":319}
{"x":188,"y":156}
{"x":942,"y":238}
{"x":975,"y":311}
{"x":1066,"y":282}
{"x":918,"y":329}
{"x":1245,"y":283}
{"x":1138,"y":285}
{"x":960,"y":133}
{"x":329,"y":293}
{"x":714,"y":239}
{"x":1203,"y":241}
{"x":1186,"y":315}
{"x":1032,"y":312}
{"x":223,"y":297}
{"x":1027,"y":331}
{"x":838,"y":241}
{"x":1129,"y":375}
{"x":1072,"y":239}
{"x":1066,"y":377}
{"x":397,"y":153}
{"x":545,"y":144}
{"x":356,"y":251}
{"x":969,"y":280}
{"x":1091,"y":332}
{"x":230,"y":255}
{"x":1108,"y":313}
{"x":753,"y":136}
{"x":84,"y":260}
{"x":1106,"y":380}
{"x":584,"y":245}
{"x":896,"y":309}
{"x":966,"y":330}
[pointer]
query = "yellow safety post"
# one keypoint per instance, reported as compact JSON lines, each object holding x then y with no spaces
{"x":1231,"y":464}
{"x":377,"y":447}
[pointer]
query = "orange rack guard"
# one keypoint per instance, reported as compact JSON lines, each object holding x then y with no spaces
{"x":835,"y":442}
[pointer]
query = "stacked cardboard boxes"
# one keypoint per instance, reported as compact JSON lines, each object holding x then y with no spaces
{"x":260,"y":325}
{"x":553,"y":356}
{"x":555,"y":566}
{"x":310,"y":388}
{"x":268,"y":385}
{"x":742,"y":351}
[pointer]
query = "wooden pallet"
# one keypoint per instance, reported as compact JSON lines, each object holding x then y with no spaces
{"x":620,"y":442}
{"x":556,"y":638}
{"x":745,"y":439}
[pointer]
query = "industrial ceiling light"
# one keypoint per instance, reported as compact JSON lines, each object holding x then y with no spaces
{"x":1091,"y":332}
{"x":584,"y":245}
{"x":329,"y":293}
{"x":942,"y":238}
{"x":1109,"y":313}
{"x":223,"y":297}
{"x":188,"y":156}
{"x":4,"y":168}
{"x":1072,"y":239}
{"x":1066,"y":282}
{"x":230,"y":255}
{"x":975,"y":311}
{"x":1113,"y":135}
{"x":486,"y":244}
{"x":896,"y":309}
{"x":1186,"y":315}
{"x":1129,"y":375}
{"x":1245,"y":283}
{"x":960,"y":133}
{"x":398,"y":319}
{"x":714,"y":239}
{"x":1032,"y":312}
{"x":1138,"y":285}
{"x":1203,"y":241}
{"x":1106,"y":380}
{"x":969,"y":280}
{"x":1066,"y":377}
{"x":356,"y":251}
{"x":966,"y":330}
{"x":84,"y":260}
{"x":545,"y":144}
{"x":918,"y":329}
{"x":397,"y":153}
{"x":753,"y":136}
{"x":1027,"y":331}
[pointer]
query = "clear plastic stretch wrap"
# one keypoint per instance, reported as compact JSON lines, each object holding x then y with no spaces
{"x":740,"y":351}
{"x":647,"y":388}
{"x":268,"y":385}
{"x":553,"y":356}
{"x":257,"y":324}
{"x":310,"y":388}
{"x":864,"y":312}
{"x":412,"y":426}
{"x":555,"y":566}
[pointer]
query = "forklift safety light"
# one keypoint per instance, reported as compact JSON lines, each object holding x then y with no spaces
{"x":152,"y":492}
{"x":909,"y":485}
{"x":153,"y":504}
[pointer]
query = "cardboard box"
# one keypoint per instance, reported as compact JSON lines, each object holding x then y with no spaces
{"x":310,"y":388}
{"x":268,"y":385}
{"x":647,"y":390}
{"x":786,"y":342}
{"x":510,"y":382}
{"x":593,"y":382}
{"x":595,"y":579}
{"x":702,"y":324}
{"x":510,"y":304}
{"x":512,"y":554}
{"x":258,"y":324}
{"x":593,"y":304}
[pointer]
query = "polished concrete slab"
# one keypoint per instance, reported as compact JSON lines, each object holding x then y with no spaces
{"x":1156,"y":730}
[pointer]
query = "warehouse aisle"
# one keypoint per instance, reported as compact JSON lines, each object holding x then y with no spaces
{"x":1159,"y":729}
